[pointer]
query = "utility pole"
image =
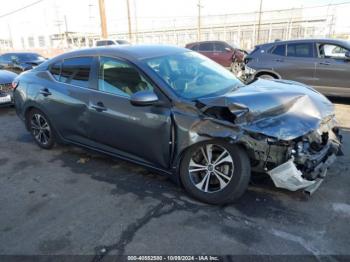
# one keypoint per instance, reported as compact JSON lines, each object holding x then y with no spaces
{"x":66,"y":30}
{"x":129,"y":19}
{"x":135,"y":21}
{"x":103,"y":19}
{"x":199,"y":21}
{"x":259,"y":23}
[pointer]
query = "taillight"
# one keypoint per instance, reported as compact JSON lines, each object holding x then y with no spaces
{"x":15,"y":84}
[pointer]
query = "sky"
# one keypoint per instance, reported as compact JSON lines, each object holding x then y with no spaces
{"x":82,"y":15}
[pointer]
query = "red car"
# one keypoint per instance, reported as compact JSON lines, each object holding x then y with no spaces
{"x":221,"y":52}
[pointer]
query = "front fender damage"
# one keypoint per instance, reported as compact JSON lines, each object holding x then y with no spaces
{"x":292,"y":137}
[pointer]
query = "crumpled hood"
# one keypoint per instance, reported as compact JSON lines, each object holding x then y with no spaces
{"x":279,"y":108}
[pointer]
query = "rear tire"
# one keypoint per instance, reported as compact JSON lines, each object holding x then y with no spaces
{"x":41,"y":129}
{"x":215,"y":171}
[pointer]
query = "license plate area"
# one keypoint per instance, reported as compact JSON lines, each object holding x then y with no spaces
{"x":5,"y":99}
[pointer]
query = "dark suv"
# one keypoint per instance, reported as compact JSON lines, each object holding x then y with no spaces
{"x":321,"y":63}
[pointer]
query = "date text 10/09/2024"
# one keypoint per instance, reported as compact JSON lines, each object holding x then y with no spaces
{"x":173,"y":258}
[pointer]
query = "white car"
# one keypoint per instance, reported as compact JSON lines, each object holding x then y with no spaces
{"x":106,"y":42}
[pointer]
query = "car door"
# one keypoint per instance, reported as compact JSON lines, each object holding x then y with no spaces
{"x":66,"y":97}
{"x":141,"y":133}
{"x":333,"y":69}
{"x":222,"y":54}
{"x":299,"y":64}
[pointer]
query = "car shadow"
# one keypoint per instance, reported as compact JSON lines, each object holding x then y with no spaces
{"x":340,"y":100}
{"x":131,"y":178}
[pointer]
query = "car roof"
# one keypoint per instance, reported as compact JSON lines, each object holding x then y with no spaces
{"x":209,"y":41}
{"x":20,"y":53}
{"x":133,"y":52}
{"x":311,"y":40}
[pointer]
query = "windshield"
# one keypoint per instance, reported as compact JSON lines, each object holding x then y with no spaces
{"x":192,"y":75}
{"x":30,"y":57}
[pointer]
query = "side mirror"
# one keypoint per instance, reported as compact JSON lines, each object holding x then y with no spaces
{"x":143,"y":98}
{"x":14,"y":60}
{"x":227,"y":49}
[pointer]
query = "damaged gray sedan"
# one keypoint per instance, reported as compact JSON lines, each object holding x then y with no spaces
{"x":178,"y":113}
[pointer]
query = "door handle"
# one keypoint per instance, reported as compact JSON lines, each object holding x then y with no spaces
{"x":325,"y":63}
{"x":279,"y":60}
{"x":99,"y":107}
{"x":45,"y":92}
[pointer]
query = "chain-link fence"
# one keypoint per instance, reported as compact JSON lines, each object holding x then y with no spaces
{"x":241,"y":29}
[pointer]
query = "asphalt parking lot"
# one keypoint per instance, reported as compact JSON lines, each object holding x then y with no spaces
{"x":73,"y":201}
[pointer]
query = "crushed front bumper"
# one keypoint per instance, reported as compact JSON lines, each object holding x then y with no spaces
{"x":288,"y":176}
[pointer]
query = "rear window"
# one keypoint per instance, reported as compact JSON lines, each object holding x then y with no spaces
{"x":300,"y":50}
{"x":76,"y":71}
{"x":208,"y":47}
{"x":194,"y":47}
{"x":279,"y":50}
{"x":30,"y":57}
{"x":104,"y":43}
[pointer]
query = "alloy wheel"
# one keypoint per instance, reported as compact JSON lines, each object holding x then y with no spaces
{"x":40,"y":129}
{"x":211,"y":168}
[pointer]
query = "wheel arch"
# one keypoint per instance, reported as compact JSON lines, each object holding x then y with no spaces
{"x":268,"y":72}
{"x":33,"y":106}
{"x":181,"y":154}
{"x":28,"y":108}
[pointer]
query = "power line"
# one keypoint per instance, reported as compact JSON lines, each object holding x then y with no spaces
{"x":238,"y":13}
{"x":20,"y":9}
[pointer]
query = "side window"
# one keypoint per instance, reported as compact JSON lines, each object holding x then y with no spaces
{"x":206,"y":47}
{"x":329,"y":50}
{"x":101,"y":43}
{"x":300,"y":50}
{"x":279,"y":50}
{"x":219,"y":47}
{"x":120,"y":78}
{"x":55,"y":70}
{"x":76,"y":71}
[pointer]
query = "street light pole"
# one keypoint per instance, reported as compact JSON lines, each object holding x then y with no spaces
{"x":199,"y":21}
{"x":129,"y":19}
{"x":259,"y":23}
{"x":103,"y":19}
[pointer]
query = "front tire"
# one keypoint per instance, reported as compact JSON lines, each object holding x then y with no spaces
{"x":41,"y":129}
{"x":215,"y":172}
